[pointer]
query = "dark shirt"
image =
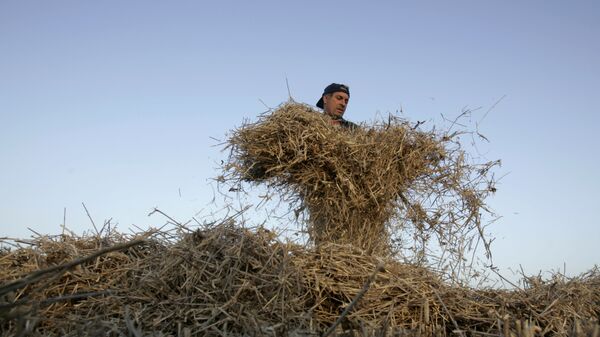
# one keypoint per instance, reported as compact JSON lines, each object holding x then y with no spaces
{"x":348,"y":124}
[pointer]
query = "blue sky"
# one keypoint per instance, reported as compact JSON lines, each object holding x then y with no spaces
{"x":114,"y":103}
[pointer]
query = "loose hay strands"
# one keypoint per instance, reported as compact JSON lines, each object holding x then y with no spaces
{"x":369,"y":185}
{"x":226,"y":280}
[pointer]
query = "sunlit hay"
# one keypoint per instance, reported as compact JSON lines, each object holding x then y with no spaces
{"x":366,"y":185}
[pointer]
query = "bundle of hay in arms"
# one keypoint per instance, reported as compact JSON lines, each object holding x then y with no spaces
{"x":365,"y":185}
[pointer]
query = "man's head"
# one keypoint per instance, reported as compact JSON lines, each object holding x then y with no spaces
{"x":334,"y":100}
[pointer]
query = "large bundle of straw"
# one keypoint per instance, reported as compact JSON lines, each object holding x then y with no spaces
{"x":353,"y":182}
{"x":230,"y":281}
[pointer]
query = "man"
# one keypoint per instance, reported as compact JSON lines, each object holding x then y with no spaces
{"x":334,"y":101}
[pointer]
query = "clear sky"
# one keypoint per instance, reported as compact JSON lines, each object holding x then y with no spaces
{"x":114,"y":103}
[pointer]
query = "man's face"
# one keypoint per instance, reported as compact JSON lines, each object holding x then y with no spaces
{"x":335,"y":104}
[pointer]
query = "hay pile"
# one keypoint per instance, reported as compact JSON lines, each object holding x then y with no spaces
{"x":229,"y":281}
{"x":361,"y":188}
{"x":207,"y":282}
{"x":364,"y":186}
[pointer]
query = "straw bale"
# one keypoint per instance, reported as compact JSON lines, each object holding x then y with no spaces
{"x":354,"y":183}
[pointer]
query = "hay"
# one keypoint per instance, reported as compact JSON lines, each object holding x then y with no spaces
{"x":230,"y":281}
{"x":223,"y":280}
{"x":364,"y":186}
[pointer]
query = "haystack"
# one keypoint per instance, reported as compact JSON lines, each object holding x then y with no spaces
{"x":226,"y":280}
{"x":363,"y":186}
